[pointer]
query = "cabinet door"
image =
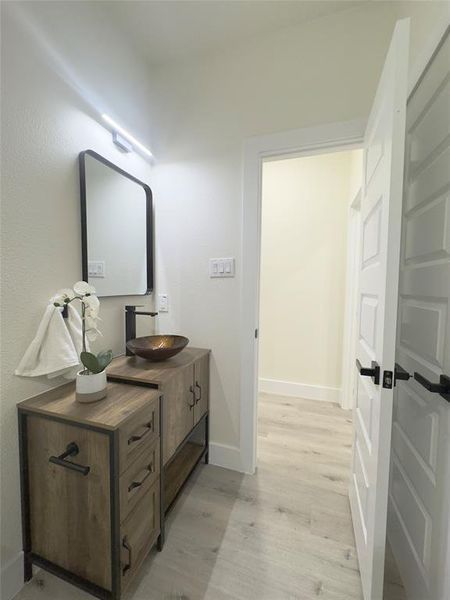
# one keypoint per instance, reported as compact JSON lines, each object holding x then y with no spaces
{"x":201,"y":385}
{"x":70,"y":511}
{"x":178,"y":410}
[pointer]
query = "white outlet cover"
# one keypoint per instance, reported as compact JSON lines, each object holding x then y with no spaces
{"x":163,"y":303}
{"x":97,"y":268}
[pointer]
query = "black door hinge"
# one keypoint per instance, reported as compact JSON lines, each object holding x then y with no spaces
{"x":256,"y":334}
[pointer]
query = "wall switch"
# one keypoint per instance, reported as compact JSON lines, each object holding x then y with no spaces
{"x":221,"y":267}
{"x":96,"y":268}
{"x":163,"y":303}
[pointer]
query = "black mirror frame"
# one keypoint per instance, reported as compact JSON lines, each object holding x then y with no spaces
{"x":149,"y":206}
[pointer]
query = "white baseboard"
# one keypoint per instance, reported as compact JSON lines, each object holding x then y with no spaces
{"x":228,"y":457}
{"x":300,"y":390}
{"x":12,"y":577}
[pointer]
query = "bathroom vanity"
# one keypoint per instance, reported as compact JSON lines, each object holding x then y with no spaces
{"x":98,"y":479}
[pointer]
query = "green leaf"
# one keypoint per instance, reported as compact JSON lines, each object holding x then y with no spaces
{"x":90,"y":361}
{"x":104,"y":358}
{"x":96,"y":364}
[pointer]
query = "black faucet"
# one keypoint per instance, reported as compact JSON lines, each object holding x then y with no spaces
{"x":130,"y":323}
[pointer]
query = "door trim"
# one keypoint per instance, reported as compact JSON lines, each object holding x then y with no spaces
{"x":350,"y":333}
{"x":345,"y":135}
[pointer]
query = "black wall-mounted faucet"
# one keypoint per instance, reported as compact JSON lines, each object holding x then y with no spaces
{"x":130,"y":323}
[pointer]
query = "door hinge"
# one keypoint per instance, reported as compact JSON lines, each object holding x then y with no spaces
{"x":256,"y":334}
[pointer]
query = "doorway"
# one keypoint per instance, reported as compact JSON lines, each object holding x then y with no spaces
{"x":301,"y":142}
{"x":308,"y":214}
{"x":304,"y":436}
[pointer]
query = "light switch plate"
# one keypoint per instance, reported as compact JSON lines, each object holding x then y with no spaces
{"x":221,"y":267}
{"x":163,"y":303}
{"x":96,"y":268}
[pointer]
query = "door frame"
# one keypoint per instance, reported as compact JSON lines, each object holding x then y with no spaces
{"x":345,"y":135}
{"x":350,"y":333}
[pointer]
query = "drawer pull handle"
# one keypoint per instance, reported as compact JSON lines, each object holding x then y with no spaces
{"x":192,"y":390}
{"x":138,"y":436}
{"x":71,"y":450}
{"x":135,"y":484}
{"x":127,"y":547}
{"x":199,"y":387}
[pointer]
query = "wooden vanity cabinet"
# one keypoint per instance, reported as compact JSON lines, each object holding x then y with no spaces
{"x":98,"y":479}
{"x":91,"y":517}
{"x":183,"y":382}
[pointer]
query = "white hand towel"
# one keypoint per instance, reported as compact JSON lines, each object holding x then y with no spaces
{"x":53,"y":351}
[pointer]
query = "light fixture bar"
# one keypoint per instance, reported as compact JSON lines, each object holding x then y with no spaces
{"x":126,"y":135}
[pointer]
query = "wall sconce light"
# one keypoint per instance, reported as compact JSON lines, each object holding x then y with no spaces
{"x":123,"y":139}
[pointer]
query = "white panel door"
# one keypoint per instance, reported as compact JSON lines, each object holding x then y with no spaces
{"x":419,"y":501}
{"x":381,"y":203}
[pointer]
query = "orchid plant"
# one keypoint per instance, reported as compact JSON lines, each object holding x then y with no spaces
{"x":90,"y":307}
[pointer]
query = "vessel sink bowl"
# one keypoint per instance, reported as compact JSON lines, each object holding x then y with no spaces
{"x":157,"y":347}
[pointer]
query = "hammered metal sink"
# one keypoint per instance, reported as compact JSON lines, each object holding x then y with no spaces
{"x":157,"y":347}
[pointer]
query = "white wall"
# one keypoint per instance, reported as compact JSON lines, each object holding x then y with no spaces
{"x":324,"y":71}
{"x":303,"y":271}
{"x":45,"y":124}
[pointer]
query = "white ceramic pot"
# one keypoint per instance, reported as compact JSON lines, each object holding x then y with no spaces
{"x":92,"y":387}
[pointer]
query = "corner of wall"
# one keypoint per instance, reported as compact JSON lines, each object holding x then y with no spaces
{"x":12,"y":577}
{"x":228,"y":457}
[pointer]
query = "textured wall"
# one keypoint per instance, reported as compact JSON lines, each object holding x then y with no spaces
{"x":45,"y":125}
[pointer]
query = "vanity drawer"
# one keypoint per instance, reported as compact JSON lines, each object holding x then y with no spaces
{"x":139,"y":432}
{"x":139,"y":532}
{"x":138,"y":478}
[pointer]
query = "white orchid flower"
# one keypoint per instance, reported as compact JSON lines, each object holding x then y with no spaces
{"x":62,"y":297}
{"x":92,"y":332}
{"x":82,"y":288}
{"x":92,"y":306}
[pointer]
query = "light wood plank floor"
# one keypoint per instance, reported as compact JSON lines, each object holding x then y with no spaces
{"x":283,"y":534}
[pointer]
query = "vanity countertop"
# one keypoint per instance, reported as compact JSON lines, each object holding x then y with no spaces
{"x":133,"y":368}
{"x":110,"y":413}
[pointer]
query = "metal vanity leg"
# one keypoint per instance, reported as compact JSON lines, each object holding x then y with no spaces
{"x":207,"y":439}
{"x":162,"y":501}
{"x":115,"y":514}
{"x":25,"y":496}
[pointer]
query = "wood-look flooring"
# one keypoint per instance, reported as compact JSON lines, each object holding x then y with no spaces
{"x":282,"y":534}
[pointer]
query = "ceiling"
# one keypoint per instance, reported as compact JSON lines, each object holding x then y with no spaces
{"x":171,"y":31}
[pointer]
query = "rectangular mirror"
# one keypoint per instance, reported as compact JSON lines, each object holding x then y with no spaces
{"x":116,"y":228}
